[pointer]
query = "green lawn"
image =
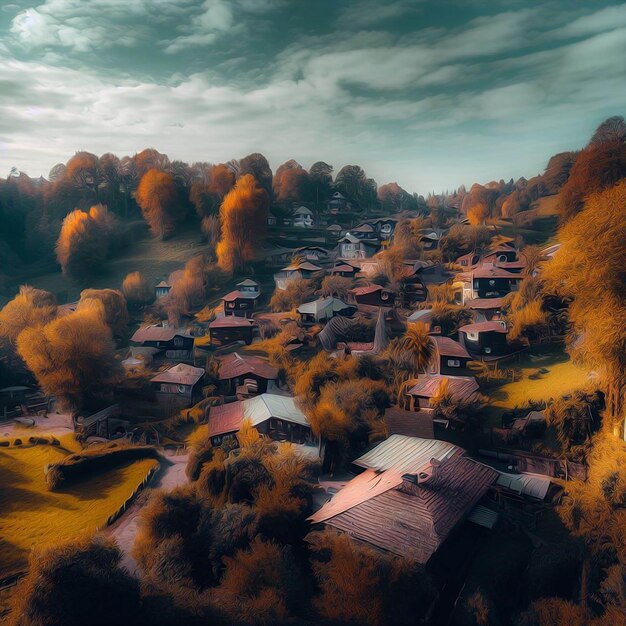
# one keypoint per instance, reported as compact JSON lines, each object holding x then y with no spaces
{"x":31,"y":516}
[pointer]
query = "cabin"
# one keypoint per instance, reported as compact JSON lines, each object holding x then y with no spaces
{"x":243,"y":301}
{"x":304,"y":269}
{"x":485,"y":339}
{"x":364,"y":231}
{"x":344,"y":269}
{"x":312,"y":253}
{"x":162,"y":290}
{"x":334,"y":231}
{"x":485,"y":309}
{"x":275,"y":416}
{"x":351,"y":247}
{"x":180,"y":383}
{"x":373,"y":295}
{"x":324,"y":309}
{"x":411,"y":496}
{"x":428,"y":387}
{"x":337,"y":203}
{"x":245,"y":375}
{"x":226,"y":330}
{"x":174,"y":343}
{"x":384,"y":226}
{"x":449,"y":357}
{"x":425,"y":316}
{"x":489,"y":281}
{"x":303,"y":218}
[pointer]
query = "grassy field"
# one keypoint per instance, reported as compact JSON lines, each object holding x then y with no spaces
{"x":31,"y":516}
{"x":562,"y":377}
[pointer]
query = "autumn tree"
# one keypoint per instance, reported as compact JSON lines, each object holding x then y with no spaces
{"x":159,"y":202}
{"x":395,"y":199}
{"x":589,"y":269}
{"x":557,"y":171}
{"x":137,"y":290}
{"x":31,"y":308}
{"x":83,"y":170}
{"x":150,"y":159}
{"x":257,"y":165}
{"x":207,"y":193}
{"x":111,"y":304}
{"x":337,"y":286}
{"x":243,"y":215}
{"x":72,"y":357}
{"x":353,"y":183}
{"x":84,"y":241}
{"x":292,"y":183}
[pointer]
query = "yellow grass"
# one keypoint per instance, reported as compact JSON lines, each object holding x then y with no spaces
{"x":31,"y":516}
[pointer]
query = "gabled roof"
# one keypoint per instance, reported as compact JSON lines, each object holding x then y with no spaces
{"x":362,"y":291}
{"x":248,"y":282}
{"x":484,"y":327}
{"x":409,"y":423}
{"x":484,"y":304}
{"x":305,"y":265}
{"x":459,"y":387}
{"x":302,"y":210}
{"x":344,"y":267}
{"x":232,"y":321}
{"x":163,"y":284}
{"x":243,"y":295}
{"x":334,"y":227}
{"x":348,"y":238}
{"x":363,"y":228}
{"x":489,"y":270}
{"x":181,"y":374}
{"x":315,"y":307}
{"x":423,"y":315}
{"x":448,"y":347}
{"x":156,"y":332}
{"x":235,"y":365}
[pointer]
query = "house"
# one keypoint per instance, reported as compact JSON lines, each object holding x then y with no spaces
{"x":274,"y":416}
{"x":162,"y":289}
{"x":334,"y":231}
{"x":425,"y":316}
{"x":312,"y":253}
{"x":344,"y":269}
{"x":271,"y":219}
{"x":174,"y":342}
{"x":485,"y":339}
{"x":303,"y":217}
{"x":489,"y":281}
{"x":413,"y":494}
{"x":485,"y":309}
{"x":180,"y":383}
{"x":449,"y":357}
{"x":278,"y":255}
{"x":460,"y":388}
{"x":373,"y":295}
{"x":242,"y":302}
{"x":364,"y":231}
{"x":384,"y":226}
{"x":303,"y":269}
{"x":225,"y":330}
{"x":351,"y":247}
{"x":409,"y":423}
{"x":337,"y":203}
{"x":245,"y":374}
{"x":324,"y":309}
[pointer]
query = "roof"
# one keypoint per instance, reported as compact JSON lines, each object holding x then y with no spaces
{"x":484,"y":327}
{"x":459,"y":387}
{"x":489,"y":270}
{"x":245,"y":295}
{"x":362,"y":291}
{"x":248,"y":282}
{"x":156,"y":332}
{"x":234,"y":365}
{"x":334,"y":227}
{"x":348,"y":238}
{"x":302,"y":210}
{"x":181,"y":374}
{"x":533,"y":485}
{"x":163,"y":284}
{"x":363,"y":228}
{"x":423,"y":315}
{"x":406,"y":454}
{"x":344,"y":267}
{"x":448,"y":347}
{"x":409,"y":423}
{"x":320,"y":304}
{"x":483,"y":304}
{"x":232,"y":321}
{"x":305,"y":265}
{"x":229,"y":417}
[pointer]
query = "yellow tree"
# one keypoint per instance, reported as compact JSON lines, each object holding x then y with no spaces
{"x":30,"y":308}
{"x":589,"y":267}
{"x":243,"y":215}
{"x":159,"y":202}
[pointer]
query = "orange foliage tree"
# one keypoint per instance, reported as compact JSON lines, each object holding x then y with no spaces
{"x":159,"y":202}
{"x":72,"y":357}
{"x":243,"y":215}
{"x":111,"y":304}
{"x":31,"y":308}
{"x":136,"y":289}
{"x":84,"y":240}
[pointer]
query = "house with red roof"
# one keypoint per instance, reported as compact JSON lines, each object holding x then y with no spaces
{"x":485,"y":339}
{"x":231,"y":329}
{"x":449,"y":357}
{"x":245,"y":375}
{"x":243,"y":300}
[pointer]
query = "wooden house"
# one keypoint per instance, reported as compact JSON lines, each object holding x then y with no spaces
{"x":245,"y":375}
{"x":412,"y":495}
{"x":303,"y":218}
{"x":344,"y":269}
{"x":174,"y":343}
{"x":304,"y":269}
{"x":351,"y":247}
{"x":364,"y":231}
{"x":162,"y":289}
{"x":384,"y":226}
{"x":485,"y":339}
{"x":324,"y":309}
{"x":181,"y":383}
{"x":334,"y":231}
{"x":275,"y":416}
{"x":489,"y":281}
{"x":485,"y":309}
{"x":449,"y":357}
{"x":425,"y":316}
{"x":428,"y":387}
{"x":226,"y":330}
{"x":314,"y":254}
{"x":243,"y":301}
{"x":373,"y":295}
{"x":337,"y":203}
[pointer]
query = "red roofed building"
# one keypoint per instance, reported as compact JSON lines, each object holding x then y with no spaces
{"x":242,"y":301}
{"x":175,"y":342}
{"x":485,"y":338}
{"x":373,"y":295}
{"x":225,"y":330}
{"x":180,"y":382}
{"x":489,"y":281}
{"x":254,"y":374}
{"x":460,"y":388}
{"x":449,"y":357}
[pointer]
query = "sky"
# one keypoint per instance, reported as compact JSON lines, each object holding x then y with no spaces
{"x":431,"y":94}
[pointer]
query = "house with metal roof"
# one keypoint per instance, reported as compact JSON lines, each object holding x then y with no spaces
{"x":449,"y":357}
{"x":181,"y":383}
{"x":323,"y":310}
{"x":428,"y":387}
{"x":485,"y":339}
{"x":245,"y":375}
{"x":274,"y":416}
{"x":243,"y":300}
{"x":304,"y":269}
{"x":175,"y":343}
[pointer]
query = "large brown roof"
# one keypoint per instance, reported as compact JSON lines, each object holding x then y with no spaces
{"x":482,"y":304}
{"x":362,"y":291}
{"x":459,"y":387}
{"x":231,"y":321}
{"x":489,"y":270}
{"x":181,"y":374}
{"x":226,"y":418}
{"x":448,"y":347}
{"x":409,"y":423}
{"x":157,"y":332}
{"x":234,"y":365}
{"x":484,"y":327}
{"x":245,"y":295}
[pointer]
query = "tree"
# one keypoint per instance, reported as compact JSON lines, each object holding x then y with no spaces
{"x":353,"y":183}
{"x":31,"y":308}
{"x":321,"y":175}
{"x":159,"y":202}
{"x":84,"y":241}
{"x":111,"y":303}
{"x":557,"y":171}
{"x":292,"y":183}
{"x":83,"y":170}
{"x":395,"y":199}
{"x":207,"y":195}
{"x":72,"y":357}
{"x":137,"y":290}
{"x":257,"y":165}
{"x":336,"y":286}
{"x":149,"y":159}
{"x":612,"y":129}
{"x":589,"y":269}
{"x":243,"y":215}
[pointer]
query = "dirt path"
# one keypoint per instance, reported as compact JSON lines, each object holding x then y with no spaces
{"x":171,"y":475}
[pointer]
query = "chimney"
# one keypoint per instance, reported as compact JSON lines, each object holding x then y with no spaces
{"x":429,"y":473}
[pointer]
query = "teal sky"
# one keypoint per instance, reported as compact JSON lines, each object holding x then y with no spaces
{"x":430,"y":94}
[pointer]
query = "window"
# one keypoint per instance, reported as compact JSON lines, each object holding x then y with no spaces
{"x":437,"y":329}
{"x":487,"y":350}
{"x":178,"y":342}
{"x":492,"y":283}
{"x":454,"y":363}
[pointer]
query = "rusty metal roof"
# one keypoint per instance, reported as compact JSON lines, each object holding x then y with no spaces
{"x":409,"y":423}
{"x":459,"y":387}
{"x":181,"y":374}
{"x":235,"y":365}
